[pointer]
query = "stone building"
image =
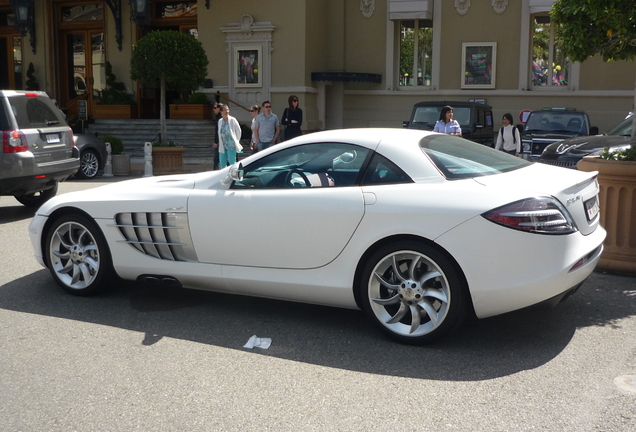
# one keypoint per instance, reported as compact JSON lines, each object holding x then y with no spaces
{"x":352,"y":63}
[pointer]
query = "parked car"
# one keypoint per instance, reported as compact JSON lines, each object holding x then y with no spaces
{"x":551,"y":125}
{"x":416,"y":228}
{"x":37,"y":147}
{"x":474,"y":118}
{"x":92,"y":155}
{"x":567,"y":153}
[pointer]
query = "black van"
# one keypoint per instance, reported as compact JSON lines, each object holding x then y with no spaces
{"x":474,"y":118}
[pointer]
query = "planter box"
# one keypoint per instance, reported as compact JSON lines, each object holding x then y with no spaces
{"x":617,"y":182}
{"x":167,"y":160}
{"x":114,"y":111}
{"x":190,"y":111}
{"x":121,"y":164}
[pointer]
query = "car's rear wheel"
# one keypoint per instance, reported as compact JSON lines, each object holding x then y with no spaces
{"x":36,"y":199}
{"x":77,"y":255}
{"x":89,"y":165}
{"x":413,"y":292}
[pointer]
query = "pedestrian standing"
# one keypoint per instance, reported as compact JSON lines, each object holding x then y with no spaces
{"x":508,"y":138}
{"x":292,"y":119}
{"x":446,"y":124}
{"x":266,"y":127}
{"x":229,"y":137}
{"x":216,"y":109}
{"x":255,"y":110}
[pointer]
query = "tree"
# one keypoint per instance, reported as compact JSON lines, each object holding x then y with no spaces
{"x":169,"y":60}
{"x":590,"y":27}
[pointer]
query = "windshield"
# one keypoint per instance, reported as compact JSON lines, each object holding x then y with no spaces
{"x":624,"y":128}
{"x":429,"y":115}
{"x":557,"y":121}
{"x":457,"y":158}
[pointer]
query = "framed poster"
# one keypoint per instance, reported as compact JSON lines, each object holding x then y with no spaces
{"x":247,"y":62}
{"x":479,"y":64}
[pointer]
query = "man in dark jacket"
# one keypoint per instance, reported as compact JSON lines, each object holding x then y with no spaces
{"x":217,"y":115}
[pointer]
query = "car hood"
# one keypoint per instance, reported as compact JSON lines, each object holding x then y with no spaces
{"x":587,"y":144}
{"x":148,"y":194}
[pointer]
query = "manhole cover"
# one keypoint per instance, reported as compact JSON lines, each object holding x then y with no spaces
{"x":626,"y":382}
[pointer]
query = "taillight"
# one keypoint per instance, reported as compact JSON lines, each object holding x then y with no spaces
{"x":543,"y":215}
{"x":14,"y":141}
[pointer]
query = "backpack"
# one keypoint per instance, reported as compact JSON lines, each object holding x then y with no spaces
{"x":514,"y":135}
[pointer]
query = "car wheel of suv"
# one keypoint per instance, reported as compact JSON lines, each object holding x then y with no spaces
{"x":77,"y":255}
{"x":89,"y":165}
{"x":412,"y":292}
{"x":38,"y":198}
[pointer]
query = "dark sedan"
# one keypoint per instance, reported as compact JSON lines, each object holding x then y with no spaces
{"x":92,"y":155}
{"x":568,"y":152}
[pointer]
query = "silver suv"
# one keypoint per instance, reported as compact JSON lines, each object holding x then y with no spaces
{"x":37,"y":147}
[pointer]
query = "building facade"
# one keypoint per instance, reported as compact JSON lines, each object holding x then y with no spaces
{"x":352,"y":63}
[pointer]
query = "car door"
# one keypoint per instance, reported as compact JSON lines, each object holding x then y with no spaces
{"x":294,"y":209}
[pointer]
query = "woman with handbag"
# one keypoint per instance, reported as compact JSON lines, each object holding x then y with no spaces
{"x":229,"y":137}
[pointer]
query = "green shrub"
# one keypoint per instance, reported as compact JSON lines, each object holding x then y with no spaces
{"x":114,"y":93}
{"x":198,"y":98}
{"x":117,"y":147}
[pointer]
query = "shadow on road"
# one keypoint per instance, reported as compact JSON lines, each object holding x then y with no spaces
{"x":332,"y":337}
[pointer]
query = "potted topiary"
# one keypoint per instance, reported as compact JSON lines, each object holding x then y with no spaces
{"x":169,"y":59}
{"x":113,"y":101}
{"x":120,"y":160}
{"x":197,"y":106}
{"x":586,"y":29}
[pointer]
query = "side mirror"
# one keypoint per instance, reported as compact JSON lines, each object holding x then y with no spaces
{"x":405,"y":124}
{"x":346,"y":157}
{"x":593,"y":130}
{"x":235,"y":174}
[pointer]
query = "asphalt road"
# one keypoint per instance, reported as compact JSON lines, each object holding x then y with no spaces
{"x":173,"y":360}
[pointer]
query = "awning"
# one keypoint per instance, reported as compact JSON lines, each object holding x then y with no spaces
{"x":346,"y":77}
{"x":410,"y":9}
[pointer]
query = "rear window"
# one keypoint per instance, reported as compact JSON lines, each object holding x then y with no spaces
{"x":624,"y":128}
{"x":35,"y":112}
{"x":458,"y":158}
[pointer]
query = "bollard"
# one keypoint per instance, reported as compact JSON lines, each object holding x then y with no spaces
{"x":108,"y":167}
{"x":148,"y":159}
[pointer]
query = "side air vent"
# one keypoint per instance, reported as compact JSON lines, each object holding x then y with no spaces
{"x":160,"y":235}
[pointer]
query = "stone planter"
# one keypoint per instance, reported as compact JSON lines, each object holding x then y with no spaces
{"x":121,"y":164}
{"x":167,"y":160}
{"x":114,"y":111}
{"x":190,"y":111}
{"x":617,"y":181}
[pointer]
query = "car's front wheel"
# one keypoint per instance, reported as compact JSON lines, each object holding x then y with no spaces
{"x":38,"y":198}
{"x":89,"y":165}
{"x":77,"y":255}
{"x":413,"y":292}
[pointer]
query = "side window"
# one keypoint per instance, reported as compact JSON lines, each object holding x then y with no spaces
{"x":310,"y":165}
{"x":382,"y":171}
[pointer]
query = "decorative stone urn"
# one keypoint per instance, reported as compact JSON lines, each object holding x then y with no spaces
{"x":167,"y":160}
{"x":617,"y":181}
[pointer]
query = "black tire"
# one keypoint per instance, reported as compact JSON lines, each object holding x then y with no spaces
{"x":420,"y":302}
{"x":89,"y":165}
{"x":36,"y":199}
{"x":77,"y":255}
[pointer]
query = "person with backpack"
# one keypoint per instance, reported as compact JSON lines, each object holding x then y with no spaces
{"x":508,"y":138}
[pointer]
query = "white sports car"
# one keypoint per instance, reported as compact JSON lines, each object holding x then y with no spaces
{"x":417,"y":229}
